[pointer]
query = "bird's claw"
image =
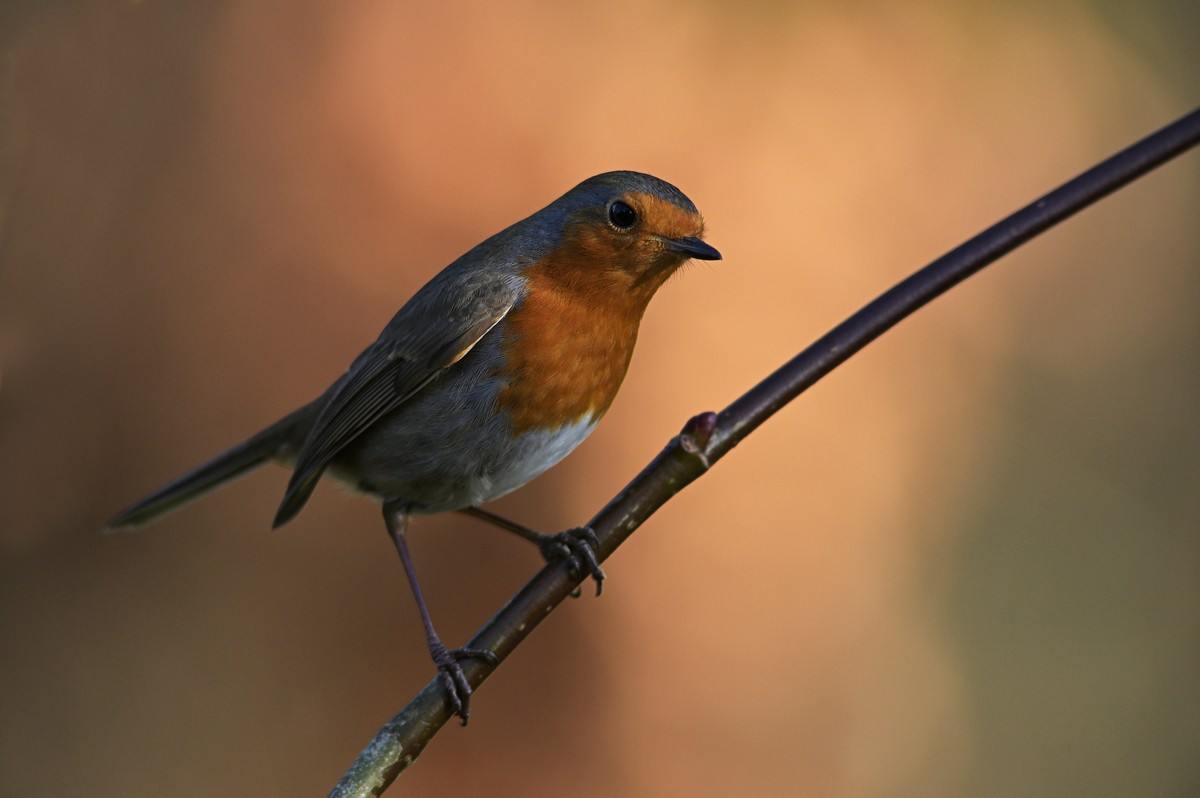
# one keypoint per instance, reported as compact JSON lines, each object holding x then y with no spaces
{"x":577,"y":547}
{"x":458,"y":689}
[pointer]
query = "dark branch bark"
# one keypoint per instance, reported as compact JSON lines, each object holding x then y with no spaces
{"x":709,"y":436}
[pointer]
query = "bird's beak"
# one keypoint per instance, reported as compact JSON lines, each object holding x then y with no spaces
{"x":692,"y":247}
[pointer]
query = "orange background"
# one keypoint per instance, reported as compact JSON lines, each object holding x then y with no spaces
{"x":964,"y":564}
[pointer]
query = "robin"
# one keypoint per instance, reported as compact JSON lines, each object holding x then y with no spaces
{"x":493,"y":372}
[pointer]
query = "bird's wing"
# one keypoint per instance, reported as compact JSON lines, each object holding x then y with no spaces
{"x":436,"y":329}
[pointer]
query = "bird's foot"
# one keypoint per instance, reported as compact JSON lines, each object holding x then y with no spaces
{"x":458,"y":689}
{"x":577,"y":547}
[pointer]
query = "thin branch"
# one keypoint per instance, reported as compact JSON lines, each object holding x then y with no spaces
{"x":709,"y":436}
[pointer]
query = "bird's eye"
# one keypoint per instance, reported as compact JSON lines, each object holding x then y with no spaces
{"x":621,"y":215}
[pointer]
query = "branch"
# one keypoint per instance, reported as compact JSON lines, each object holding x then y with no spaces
{"x":710,"y":436}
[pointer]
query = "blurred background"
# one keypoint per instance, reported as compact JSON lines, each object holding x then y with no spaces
{"x":964,"y":564}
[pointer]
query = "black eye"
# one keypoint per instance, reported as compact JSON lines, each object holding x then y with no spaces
{"x":621,"y":215}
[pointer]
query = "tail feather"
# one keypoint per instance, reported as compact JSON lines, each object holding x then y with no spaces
{"x":295,"y":498}
{"x":226,"y":466}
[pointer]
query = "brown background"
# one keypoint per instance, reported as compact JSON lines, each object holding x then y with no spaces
{"x":966,"y":564}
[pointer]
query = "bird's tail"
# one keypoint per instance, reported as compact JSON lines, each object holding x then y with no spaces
{"x":249,"y":454}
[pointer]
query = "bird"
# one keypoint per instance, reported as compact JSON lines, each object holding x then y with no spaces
{"x":494,"y":371}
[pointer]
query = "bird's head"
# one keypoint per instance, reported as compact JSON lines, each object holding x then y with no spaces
{"x":625,"y":233}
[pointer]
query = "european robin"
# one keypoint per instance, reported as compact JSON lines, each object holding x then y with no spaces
{"x":493,"y":372}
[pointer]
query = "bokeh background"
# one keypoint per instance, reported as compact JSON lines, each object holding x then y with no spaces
{"x":964,"y":564}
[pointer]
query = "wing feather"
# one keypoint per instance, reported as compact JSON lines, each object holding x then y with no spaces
{"x":404,"y":359}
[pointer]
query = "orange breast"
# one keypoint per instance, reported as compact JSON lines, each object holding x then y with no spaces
{"x":567,"y":348}
{"x":569,"y":343}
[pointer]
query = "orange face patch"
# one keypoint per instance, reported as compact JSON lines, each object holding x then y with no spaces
{"x":664,"y":218}
{"x":592,"y":247}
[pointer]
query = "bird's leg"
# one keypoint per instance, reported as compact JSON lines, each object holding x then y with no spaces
{"x":446,"y":659}
{"x":575,"y":546}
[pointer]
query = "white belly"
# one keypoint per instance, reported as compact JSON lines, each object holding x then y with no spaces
{"x":532,"y":453}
